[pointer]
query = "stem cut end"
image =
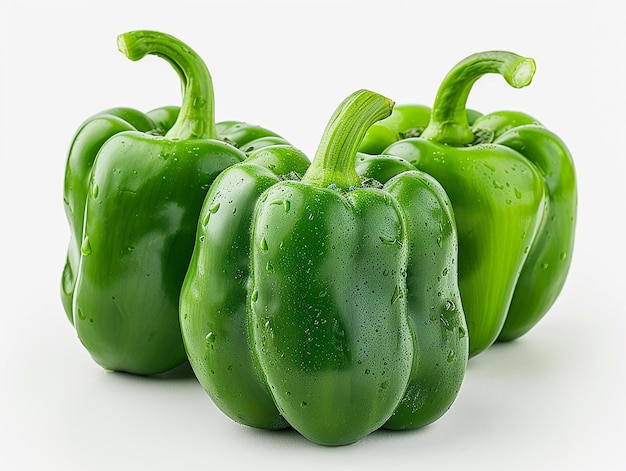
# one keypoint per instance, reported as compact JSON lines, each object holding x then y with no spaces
{"x":132,"y":44}
{"x":523,"y":73}
{"x":121,"y":44}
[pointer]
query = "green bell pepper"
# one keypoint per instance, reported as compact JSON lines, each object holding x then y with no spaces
{"x":134,"y":186}
{"x":329,"y":304}
{"x":513,"y":190}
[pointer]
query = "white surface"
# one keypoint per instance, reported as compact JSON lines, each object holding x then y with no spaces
{"x":553,"y":400}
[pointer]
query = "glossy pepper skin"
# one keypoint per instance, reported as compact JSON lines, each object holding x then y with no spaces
{"x":322,"y":299}
{"x":512,"y":186}
{"x":134,"y":186}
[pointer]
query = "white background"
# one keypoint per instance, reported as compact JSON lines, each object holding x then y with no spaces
{"x":555,"y":399}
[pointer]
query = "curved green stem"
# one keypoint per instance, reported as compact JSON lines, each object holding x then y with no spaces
{"x":448,"y":122}
{"x":197,"y":116}
{"x":335,"y":160}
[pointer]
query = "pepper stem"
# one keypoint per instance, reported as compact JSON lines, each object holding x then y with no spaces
{"x":335,"y":160}
{"x":196,"y":119}
{"x":448,"y":123}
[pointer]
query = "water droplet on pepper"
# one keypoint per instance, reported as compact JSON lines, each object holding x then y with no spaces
{"x":397,"y":294}
{"x":85,"y":248}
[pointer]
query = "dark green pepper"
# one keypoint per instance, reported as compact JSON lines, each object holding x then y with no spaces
{"x":340,"y":313}
{"x":513,"y":190}
{"x":134,"y":186}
